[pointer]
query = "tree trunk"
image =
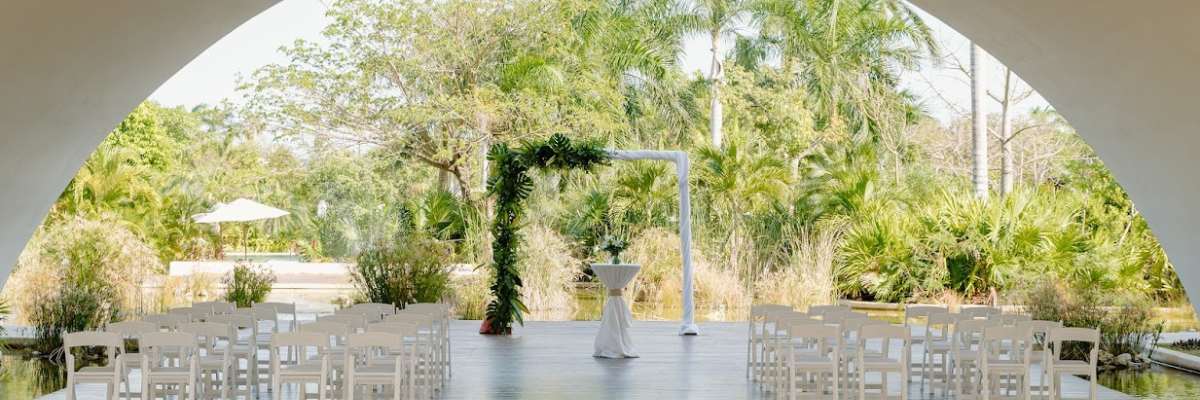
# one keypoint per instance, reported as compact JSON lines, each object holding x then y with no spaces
{"x":979,"y":123}
{"x":715,"y":75}
{"x":1006,"y":156}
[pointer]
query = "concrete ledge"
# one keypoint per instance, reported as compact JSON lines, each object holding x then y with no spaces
{"x":1176,"y":359}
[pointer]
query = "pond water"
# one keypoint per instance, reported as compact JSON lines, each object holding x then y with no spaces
{"x":1157,"y":383}
{"x":26,"y":379}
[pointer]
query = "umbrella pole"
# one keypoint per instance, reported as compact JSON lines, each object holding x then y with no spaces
{"x":246,"y":242}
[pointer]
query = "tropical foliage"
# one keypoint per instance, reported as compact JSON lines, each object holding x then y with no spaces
{"x":430,"y":120}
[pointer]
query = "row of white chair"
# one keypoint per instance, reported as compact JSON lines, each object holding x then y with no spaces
{"x":228,"y":344}
{"x":974,"y":353}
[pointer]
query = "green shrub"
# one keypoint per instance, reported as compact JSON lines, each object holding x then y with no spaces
{"x":77,"y":275}
{"x":248,"y":284}
{"x":417,"y":270}
{"x":1125,"y":320}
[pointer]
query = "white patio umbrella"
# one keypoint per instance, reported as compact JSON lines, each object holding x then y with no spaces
{"x":240,"y":210}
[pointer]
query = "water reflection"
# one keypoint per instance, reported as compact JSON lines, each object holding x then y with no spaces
{"x":27,"y":379}
{"x":1157,"y":383}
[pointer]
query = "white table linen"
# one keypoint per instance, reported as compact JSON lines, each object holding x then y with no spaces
{"x":612,"y":341}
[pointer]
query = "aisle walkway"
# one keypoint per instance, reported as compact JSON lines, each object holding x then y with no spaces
{"x":552,"y":360}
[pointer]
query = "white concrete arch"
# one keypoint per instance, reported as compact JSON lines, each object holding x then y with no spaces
{"x":1122,"y":72}
{"x":1126,"y":75}
{"x":70,"y":71}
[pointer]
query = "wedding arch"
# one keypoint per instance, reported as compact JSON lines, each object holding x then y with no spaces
{"x":510,"y":185}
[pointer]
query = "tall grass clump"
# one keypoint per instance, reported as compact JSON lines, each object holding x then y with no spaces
{"x":807,"y":277}
{"x":661,"y":277}
{"x":1125,"y":320}
{"x":414,"y":269}
{"x":547,"y":269}
{"x":79,"y":274}
{"x":248,"y":284}
{"x":469,"y":295}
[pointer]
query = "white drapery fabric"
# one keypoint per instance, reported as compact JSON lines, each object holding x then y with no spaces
{"x":612,"y":341}
{"x":682,"y":166}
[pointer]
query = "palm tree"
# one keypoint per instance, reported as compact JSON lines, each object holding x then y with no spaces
{"x":717,"y":18}
{"x":736,"y":181}
{"x":979,"y":132}
{"x":846,"y":51}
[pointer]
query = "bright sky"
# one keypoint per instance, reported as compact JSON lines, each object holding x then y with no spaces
{"x":212,"y":77}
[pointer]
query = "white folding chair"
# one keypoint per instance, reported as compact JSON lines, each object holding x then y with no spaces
{"x":244,"y":348}
{"x":281,"y":308}
{"x":363,"y":366}
{"x":263,"y":335}
{"x":216,"y":367}
{"x":939,"y":343}
{"x":356,"y":322}
{"x":979,"y":311}
{"x":754,"y":341}
{"x":916,"y":317}
{"x":108,"y":374}
{"x":166,"y":322}
{"x":409,"y":353}
{"x":770,"y":336}
{"x":1004,"y":361}
{"x":216,"y":307}
{"x":1057,"y":366}
{"x":194,"y":314}
{"x":812,"y":356}
{"x":170,"y":359}
{"x":440,"y":312}
{"x":964,"y":361}
{"x":301,"y":368}
{"x":775,"y":356}
{"x":1009,"y":320}
{"x":848,"y":347}
{"x":370,"y":314}
{"x":1040,"y":330}
{"x":336,"y":333}
{"x":894,"y":353}
{"x":130,"y":361}
{"x":819,"y":311}
{"x":426,"y":365}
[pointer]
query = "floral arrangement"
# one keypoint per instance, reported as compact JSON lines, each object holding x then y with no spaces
{"x":614,"y":246}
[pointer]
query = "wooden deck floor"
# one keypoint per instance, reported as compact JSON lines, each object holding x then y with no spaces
{"x":552,"y":360}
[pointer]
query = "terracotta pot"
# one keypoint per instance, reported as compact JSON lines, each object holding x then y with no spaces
{"x":486,"y":329}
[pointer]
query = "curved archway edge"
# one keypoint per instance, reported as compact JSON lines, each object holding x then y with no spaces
{"x":1121,"y":72}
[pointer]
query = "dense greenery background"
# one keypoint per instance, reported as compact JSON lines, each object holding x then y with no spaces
{"x":829,"y":179}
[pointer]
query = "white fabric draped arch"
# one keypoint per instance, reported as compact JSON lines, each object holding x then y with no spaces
{"x":682,"y":166}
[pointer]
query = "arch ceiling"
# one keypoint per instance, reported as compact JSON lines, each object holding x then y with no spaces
{"x":1122,"y":72}
{"x":71,"y":70}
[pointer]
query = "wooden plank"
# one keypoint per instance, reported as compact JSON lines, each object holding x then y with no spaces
{"x":552,"y":360}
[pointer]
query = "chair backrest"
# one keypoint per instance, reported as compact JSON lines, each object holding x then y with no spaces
{"x":166,"y":321}
{"x":1040,"y":329}
{"x":940,"y":326}
{"x":111,"y":342}
{"x":1058,"y":336}
{"x":1009,"y":320}
{"x":979,"y":311}
{"x":336,"y":331}
{"x":301,"y":346}
{"x":784,"y":324}
{"x":210,"y":334}
{"x":886,"y":336}
{"x":216,"y":307}
{"x":819,"y":311}
{"x":356,"y":322}
{"x":814,"y":336}
{"x":916,"y":314}
{"x":968,"y":332}
{"x":279,"y":307}
{"x":238,"y":322}
{"x":1006,"y":343}
{"x":361,"y":347}
{"x":384,"y":308}
{"x":131,"y":330}
{"x":758,"y":311}
{"x":170,"y":349}
{"x":369,"y":314}
{"x":838,"y":317}
{"x":261,"y":314}
{"x":421,"y":321}
{"x":194,"y":314}
{"x":399,"y":328}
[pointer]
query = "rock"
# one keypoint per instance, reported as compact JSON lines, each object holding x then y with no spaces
{"x":1123,"y":360}
{"x":1104,"y":358}
{"x":1140,"y":358}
